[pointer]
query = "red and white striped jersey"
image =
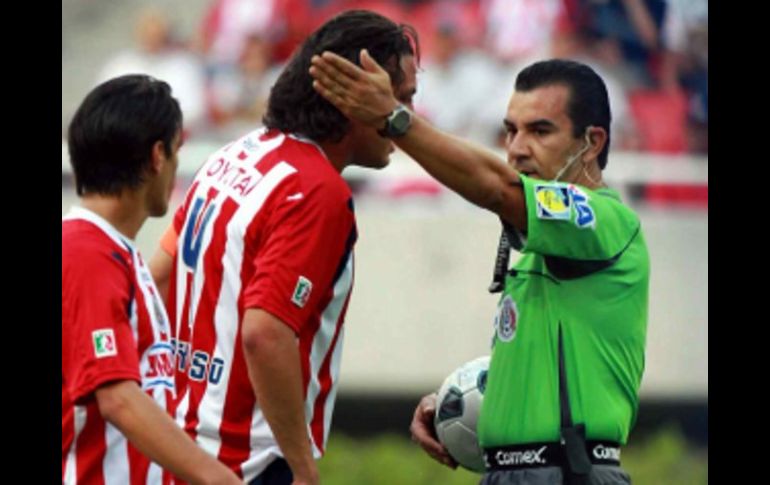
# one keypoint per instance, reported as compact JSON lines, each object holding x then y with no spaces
{"x":114,"y":327}
{"x":267,"y":223}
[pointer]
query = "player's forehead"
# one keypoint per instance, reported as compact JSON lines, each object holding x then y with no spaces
{"x":408,"y":66}
{"x":547,"y":103}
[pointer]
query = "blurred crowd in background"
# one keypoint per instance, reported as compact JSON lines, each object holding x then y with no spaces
{"x":653,"y":54}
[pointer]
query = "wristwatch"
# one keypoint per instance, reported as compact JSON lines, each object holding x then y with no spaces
{"x":398,"y":122}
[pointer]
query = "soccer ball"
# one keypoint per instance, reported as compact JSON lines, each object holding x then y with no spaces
{"x":457,"y":411}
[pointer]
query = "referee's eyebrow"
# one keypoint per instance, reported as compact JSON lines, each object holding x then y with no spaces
{"x":542,"y":123}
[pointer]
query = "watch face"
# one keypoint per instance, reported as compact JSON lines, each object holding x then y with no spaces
{"x":400,"y":122}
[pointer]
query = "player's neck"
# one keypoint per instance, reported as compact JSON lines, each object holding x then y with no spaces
{"x":124,"y":212}
{"x":335,"y":153}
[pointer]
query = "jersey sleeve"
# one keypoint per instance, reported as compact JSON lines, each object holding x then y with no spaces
{"x":309,"y":238}
{"x":570,"y":221}
{"x":97,"y":338}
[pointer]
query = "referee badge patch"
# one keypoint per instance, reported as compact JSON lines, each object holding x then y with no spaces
{"x":553,"y":202}
{"x":506,"y":319}
{"x":302,"y":291}
{"x":104,"y":343}
{"x":585,"y":214}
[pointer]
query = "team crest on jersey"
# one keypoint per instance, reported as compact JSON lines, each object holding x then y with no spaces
{"x":585,"y":216}
{"x":506,"y":319}
{"x":553,"y":202}
{"x":249,"y":144}
{"x":104,"y":343}
{"x":302,"y":291}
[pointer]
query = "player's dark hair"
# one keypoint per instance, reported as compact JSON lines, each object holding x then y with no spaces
{"x":295,"y":107}
{"x":110,"y":138}
{"x":588,"y":104}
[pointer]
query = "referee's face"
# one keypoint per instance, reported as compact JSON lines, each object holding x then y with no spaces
{"x":539,"y":139}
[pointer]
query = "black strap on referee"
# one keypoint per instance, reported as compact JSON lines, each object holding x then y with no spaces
{"x":501,"y":263}
{"x":573,"y":437}
{"x":508,"y":239}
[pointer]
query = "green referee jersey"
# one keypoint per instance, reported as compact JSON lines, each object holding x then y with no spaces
{"x":585,"y":268}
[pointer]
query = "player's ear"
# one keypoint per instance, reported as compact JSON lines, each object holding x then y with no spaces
{"x":157,"y":156}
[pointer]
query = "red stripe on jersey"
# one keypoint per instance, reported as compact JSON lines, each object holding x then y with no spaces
{"x":239,"y":403}
{"x":177,"y":223}
{"x":139,"y":466}
{"x":183,"y":329}
{"x":204,"y":334}
{"x":67,"y":430}
{"x":183,"y":338}
{"x":325,"y":382}
{"x":90,"y":458}
{"x":181,"y":213}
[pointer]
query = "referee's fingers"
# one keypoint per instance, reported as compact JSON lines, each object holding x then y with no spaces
{"x":423,"y":432}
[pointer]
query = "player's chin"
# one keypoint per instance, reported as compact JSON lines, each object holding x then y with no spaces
{"x":383,"y":163}
{"x":158,"y":211}
{"x":379,"y":163}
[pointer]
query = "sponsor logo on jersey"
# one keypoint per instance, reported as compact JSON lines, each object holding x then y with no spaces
{"x":302,"y":291}
{"x":552,"y":201}
{"x":104,"y":343}
{"x":506,"y":319}
{"x":606,"y":452}
{"x":159,"y":368}
{"x":524,"y":457}
{"x":585,"y":216}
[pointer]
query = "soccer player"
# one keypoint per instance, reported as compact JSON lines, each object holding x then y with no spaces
{"x":117,"y":360}
{"x":259,"y":265}
{"x":568,"y":352}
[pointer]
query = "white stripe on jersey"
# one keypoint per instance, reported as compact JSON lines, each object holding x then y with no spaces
{"x":207,"y":444}
{"x":262,"y":444}
{"x":322,"y":342}
{"x":115,"y":464}
{"x":334,"y":370}
{"x":198,"y":276}
{"x":70,"y":471}
{"x":134,"y":321}
{"x":155,"y":473}
{"x":158,"y":322}
{"x":211,"y":406}
{"x":181,"y":409}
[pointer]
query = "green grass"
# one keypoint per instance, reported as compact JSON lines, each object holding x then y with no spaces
{"x":663,"y":458}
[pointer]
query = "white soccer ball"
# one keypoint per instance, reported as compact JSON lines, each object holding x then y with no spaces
{"x":457,"y":411}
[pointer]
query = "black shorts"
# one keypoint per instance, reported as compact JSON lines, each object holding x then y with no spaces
{"x":600,"y":475}
{"x":276,"y":473}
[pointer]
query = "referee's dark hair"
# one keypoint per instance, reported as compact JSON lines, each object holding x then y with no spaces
{"x":295,"y":107}
{"x":110,"y":138}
